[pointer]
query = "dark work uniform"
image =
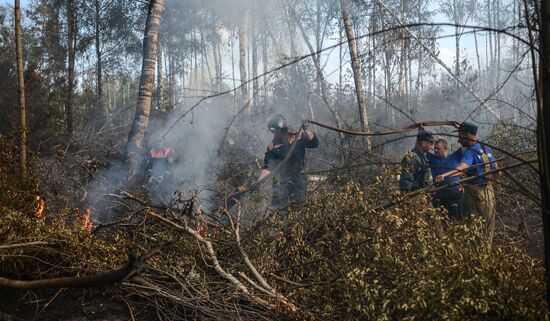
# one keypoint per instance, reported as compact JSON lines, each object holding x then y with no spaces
{"x":160,"y":160}
{"x":289,"y":181}
{"x":415,"y":173}
{"x":160,"y":174}
{"x":452,"y":197}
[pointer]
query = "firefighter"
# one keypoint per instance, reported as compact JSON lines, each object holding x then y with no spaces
{"x":415,"y":173}
{"x":477,"y":159}
{"x":289,"y":180}
{"x":440,"y":162}
{"x":161,"y":159}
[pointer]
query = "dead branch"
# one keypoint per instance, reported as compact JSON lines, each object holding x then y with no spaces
{"x":135,"y":266}
{"x":212,"y":255}
{"x":20,"y":245}
{"x":265,"y":287}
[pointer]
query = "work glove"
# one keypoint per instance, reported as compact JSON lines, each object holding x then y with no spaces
{"x":305,"y":124}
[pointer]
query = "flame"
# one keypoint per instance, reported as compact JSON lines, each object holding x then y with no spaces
{"x":202,"y":225}
{"x":202,"y":228}
{"x":87,"y":220}
{"x":39,"y":208}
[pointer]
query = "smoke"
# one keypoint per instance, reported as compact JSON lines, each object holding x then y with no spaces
{"x":221,"y":143}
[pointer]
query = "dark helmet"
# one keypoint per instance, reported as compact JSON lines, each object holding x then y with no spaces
{"x":277,"y":122}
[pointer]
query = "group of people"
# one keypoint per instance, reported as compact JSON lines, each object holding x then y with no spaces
{"x":462,"y":179}
{"x":461,"y":183}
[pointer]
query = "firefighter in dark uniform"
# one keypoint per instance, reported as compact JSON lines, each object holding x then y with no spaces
{"x":161,"y":160}
{"x":415,"y":173}
{"x":289,"y":179}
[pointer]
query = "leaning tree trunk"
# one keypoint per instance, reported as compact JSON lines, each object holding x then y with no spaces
{"x":71,"y":54}
{"x":134,"y":147}
{"x":21,"y":82}
{"x":356,"y":67}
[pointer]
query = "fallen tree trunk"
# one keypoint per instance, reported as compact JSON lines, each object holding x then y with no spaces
{"x":135,"y":266}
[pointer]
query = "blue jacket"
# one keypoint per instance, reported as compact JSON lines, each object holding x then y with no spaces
{"x":440,"y":166}
{"x":472,"y":157}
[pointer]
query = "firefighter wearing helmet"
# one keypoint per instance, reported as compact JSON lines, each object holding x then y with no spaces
{"x":289,"y":180}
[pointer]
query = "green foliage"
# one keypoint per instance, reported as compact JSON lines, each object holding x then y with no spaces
{"x":341,"y":257}
{"x":408,"y":262}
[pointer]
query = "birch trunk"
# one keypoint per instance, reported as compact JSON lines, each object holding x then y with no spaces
{"x":134,"y":147}
{"x":255,"y":88}
{"x":160,"y":79}
{"x":171,"y":81}
{"x":356,"y":67}
{"x":243,"y":59}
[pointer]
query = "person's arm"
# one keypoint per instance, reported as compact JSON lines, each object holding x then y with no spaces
{"x":311,"y":140}
{"x":309,"y":134}
{"x":459,"y":170}
{"x":269,"y":163}
{"x":466,"y":161}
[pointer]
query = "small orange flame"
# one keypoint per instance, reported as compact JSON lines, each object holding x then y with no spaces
{"x":39,"y":208}
{"x":202,"y":228}
{"x":87,"y":220}
{"x":202,"y":225}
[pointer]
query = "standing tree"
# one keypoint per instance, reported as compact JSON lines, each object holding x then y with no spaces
{"x":71,"y":28}
{"x":160,"y":80}
{"x":134,"y":146}
{"x":21,"y":82}
{"x":243,"y":58}
{"x":356,"y":67}
{"x":99,"y":63}
{"x":459,"y":12}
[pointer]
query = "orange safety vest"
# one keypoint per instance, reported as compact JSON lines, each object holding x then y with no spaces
{"x":160,"y":154}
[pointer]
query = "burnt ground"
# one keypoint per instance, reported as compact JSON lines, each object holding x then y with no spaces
{"x":63,"y":305}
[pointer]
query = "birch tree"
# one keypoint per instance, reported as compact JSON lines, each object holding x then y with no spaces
{"x":356,"y":67}
{"x":134,"y":147}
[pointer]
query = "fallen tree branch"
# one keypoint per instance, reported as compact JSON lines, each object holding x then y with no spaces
{"x":264,"y":286}
{"x":135,"y":266}
{"x":19,"y":245}
{"x":211,"y":254}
